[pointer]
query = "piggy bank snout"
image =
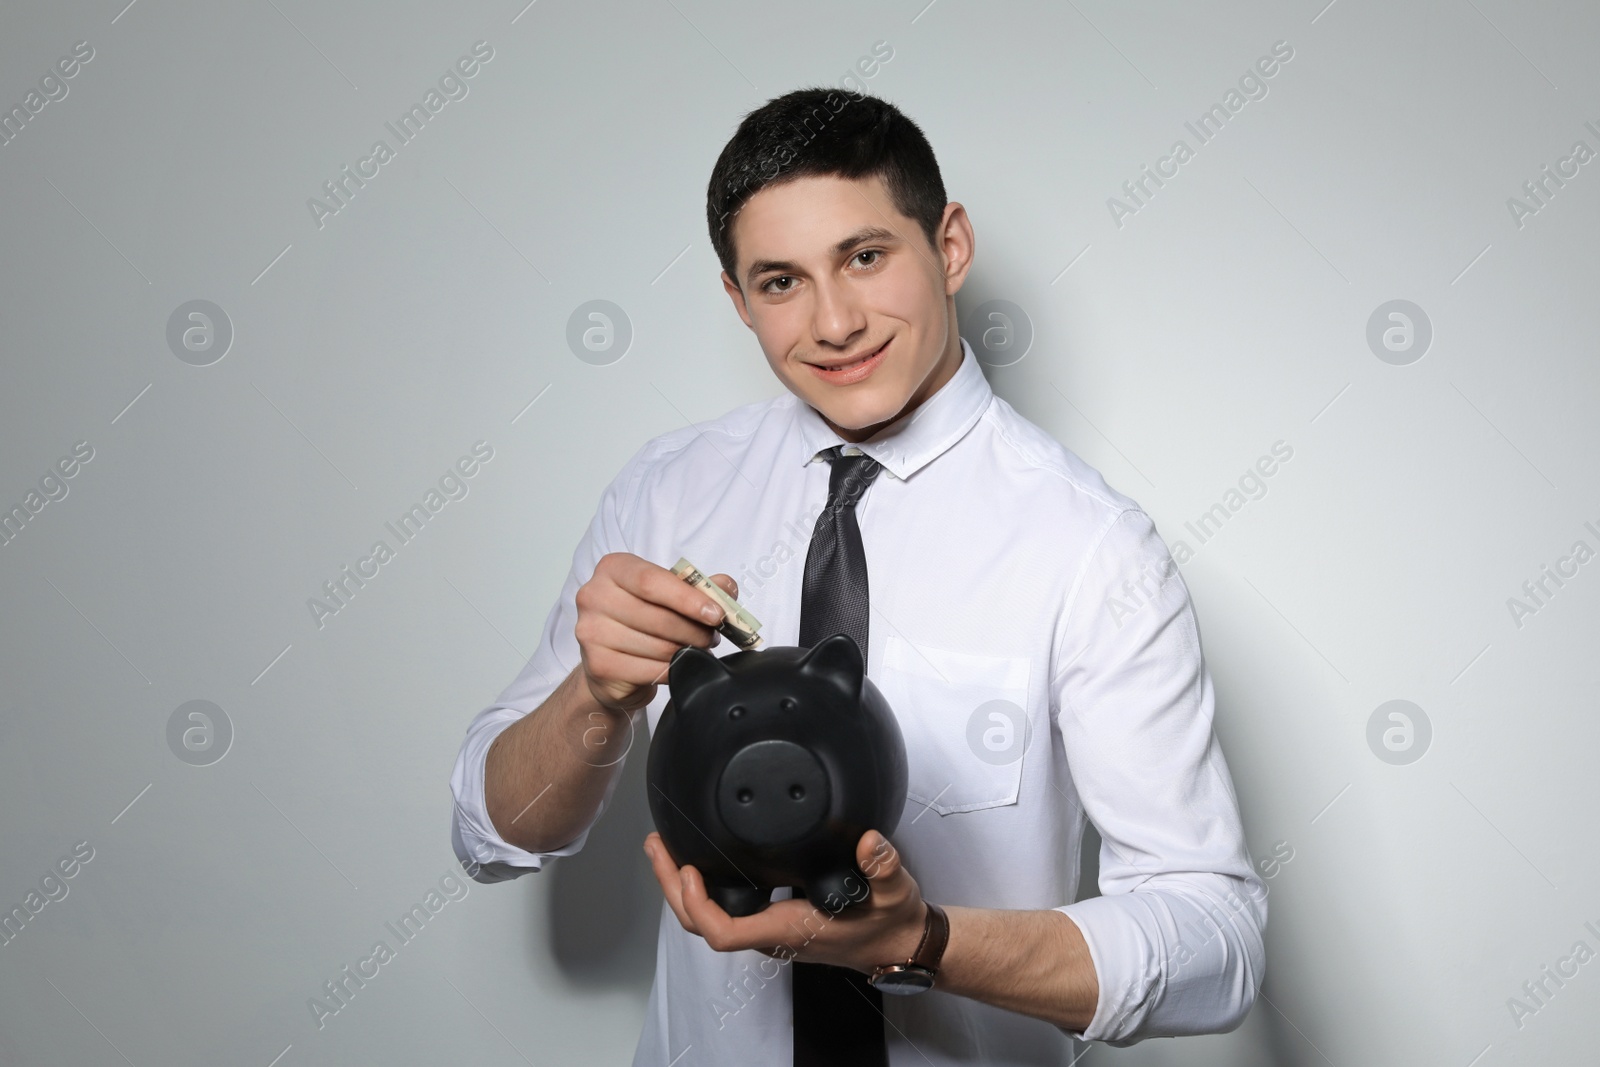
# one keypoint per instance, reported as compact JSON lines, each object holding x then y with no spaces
{"x":772,"y":793}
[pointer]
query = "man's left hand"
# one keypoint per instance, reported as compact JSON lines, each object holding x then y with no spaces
{"x":884,"y":928}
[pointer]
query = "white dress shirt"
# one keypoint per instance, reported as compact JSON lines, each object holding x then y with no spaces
{"x":1039,"y":649}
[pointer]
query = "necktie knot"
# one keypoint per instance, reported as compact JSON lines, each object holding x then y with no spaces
{"x":849,"y":478}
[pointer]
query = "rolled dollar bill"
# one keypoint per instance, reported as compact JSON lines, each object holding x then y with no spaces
{"x":738,"y":625}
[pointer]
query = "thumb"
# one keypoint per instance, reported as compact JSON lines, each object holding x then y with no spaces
{"x":727,"y":583}
{"x":877,"y":857}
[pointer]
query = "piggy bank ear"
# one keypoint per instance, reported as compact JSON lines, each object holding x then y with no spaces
{"x":837,"y":659}
{"x":692,"y":668}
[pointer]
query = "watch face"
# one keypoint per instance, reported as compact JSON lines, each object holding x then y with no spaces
{"x":903,"y":983}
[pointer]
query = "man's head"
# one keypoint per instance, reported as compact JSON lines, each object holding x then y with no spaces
{"x":828,"y":214}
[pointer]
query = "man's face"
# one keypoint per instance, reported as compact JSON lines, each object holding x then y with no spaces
{"x":853,"y":309}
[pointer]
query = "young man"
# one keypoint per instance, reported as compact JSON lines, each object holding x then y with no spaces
{"x":980,"y":559}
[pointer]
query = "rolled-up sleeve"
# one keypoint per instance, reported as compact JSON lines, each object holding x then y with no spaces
{"x":486,"y":855}
{"x":1176,"y":936}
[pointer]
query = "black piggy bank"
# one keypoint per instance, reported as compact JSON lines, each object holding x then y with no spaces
{"x":766,"y":767}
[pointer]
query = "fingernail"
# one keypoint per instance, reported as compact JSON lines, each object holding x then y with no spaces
{"x":711,"y":613}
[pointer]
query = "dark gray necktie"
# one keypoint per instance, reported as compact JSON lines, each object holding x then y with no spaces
{"x":838,"y":1017}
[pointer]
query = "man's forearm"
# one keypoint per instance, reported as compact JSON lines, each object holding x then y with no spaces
{"x":1031,"y":962}
{"x":546,"y":773}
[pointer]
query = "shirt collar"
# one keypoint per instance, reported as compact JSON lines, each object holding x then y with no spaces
{"x":927,"y":433}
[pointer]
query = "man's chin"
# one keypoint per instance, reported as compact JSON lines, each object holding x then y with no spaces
{"x":856,"y":420}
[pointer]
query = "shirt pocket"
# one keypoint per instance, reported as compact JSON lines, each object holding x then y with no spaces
{"x":965,"y":723}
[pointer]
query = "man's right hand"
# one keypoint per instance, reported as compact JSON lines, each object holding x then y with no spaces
{"x":632,"y":617}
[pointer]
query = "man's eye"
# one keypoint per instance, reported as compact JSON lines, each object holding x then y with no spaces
{"x":780,"y":278}
{"x":875,"y":253}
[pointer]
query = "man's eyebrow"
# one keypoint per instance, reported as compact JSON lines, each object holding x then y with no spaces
{"x":861,"y":236}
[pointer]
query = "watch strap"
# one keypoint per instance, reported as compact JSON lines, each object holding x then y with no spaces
{"x":935,"y":936}
{"x":930,"y":949}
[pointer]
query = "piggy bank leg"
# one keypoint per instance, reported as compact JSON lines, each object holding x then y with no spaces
{"x":836,"y":890}
{"x":739,"y":900}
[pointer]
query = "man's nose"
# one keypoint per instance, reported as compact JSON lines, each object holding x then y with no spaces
{"x":836,"y":317}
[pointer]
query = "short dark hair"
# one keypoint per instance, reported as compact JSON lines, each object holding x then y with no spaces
{"x":823,"y":131}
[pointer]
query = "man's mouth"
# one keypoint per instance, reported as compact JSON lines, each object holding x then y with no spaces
{"x":849,"y":371}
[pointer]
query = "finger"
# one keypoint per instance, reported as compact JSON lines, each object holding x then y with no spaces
{"x":668,"y":874}
{"x":621,"y":636}
{"x":780,"y":929}
{"x":727,"y":583}
{"x":609,"y":665}
{"x":660,"y":586}
{"x":721,"y":931}
{"x":646,"y":617}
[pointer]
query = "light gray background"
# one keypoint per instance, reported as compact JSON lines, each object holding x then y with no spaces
{"x":1230,"y":312}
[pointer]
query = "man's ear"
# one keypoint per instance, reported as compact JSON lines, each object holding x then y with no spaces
{"x":737,"y":296}
{"x":958,"y":244}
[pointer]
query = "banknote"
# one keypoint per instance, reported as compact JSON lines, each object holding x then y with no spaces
{"x":738,"y":625}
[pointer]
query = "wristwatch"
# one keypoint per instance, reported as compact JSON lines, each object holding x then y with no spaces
{"x":916,"y":974}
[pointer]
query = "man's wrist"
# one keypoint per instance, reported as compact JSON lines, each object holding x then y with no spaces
{"x":920,"y":930}
{"x":595,"y":694}
{"x":918,"y":970}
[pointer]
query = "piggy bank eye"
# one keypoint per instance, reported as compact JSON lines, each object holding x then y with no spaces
{"x":787,"y":704}
{"x":736,"y":712}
